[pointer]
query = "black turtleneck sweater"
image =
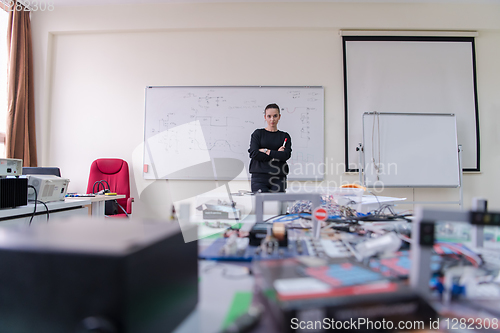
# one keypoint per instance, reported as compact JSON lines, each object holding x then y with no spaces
{"x":273,"y":164}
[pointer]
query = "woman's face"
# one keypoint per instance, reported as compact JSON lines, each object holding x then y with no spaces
{"x":272,"y":116}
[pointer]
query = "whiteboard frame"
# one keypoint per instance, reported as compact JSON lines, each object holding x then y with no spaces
{"x":362,"y":36}
{"x":146,"y":149}
{"x":458,"y":160}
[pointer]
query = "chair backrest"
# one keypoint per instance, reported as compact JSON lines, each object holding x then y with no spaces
{"x":115,"y":172}
{"x":42,"y":171}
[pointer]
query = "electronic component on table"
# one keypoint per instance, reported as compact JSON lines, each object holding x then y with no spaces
{"x":260,"y":230}
{"x":265,"y":241}
{"x":11,"y":167}
{"x":219,"y":251}
{"x":219,"y":210}
{"x":340,"y":289}
{"x":273,"y":241}
{"x":76,"y":195}
{"x":240,"y":249}
{"x":218,"y":224}
{"x":388,"y":243}
{"x":13,"y":189}
{"x":234,"y":246}
{"x":276,"y":236}
{"x":13,"y":192}
{"x":327,"y":248}
{"x":48,"y":187}
{"x":482,"y":218}
{"x":209,"y":214}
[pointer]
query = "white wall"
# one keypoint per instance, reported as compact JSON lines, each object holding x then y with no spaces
{"x":93,"y":63}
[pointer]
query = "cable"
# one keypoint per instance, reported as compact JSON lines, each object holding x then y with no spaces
{"x":123,"y":209}
{"x":93,"y":186}
{"x":287,"y":218}
{"x":36,"y":199}
{"x":378,"y":214}
{"x":376,"y":197}
{"x":471,"y":256}
{"x":109,"y":188}
{"x":273,"y":217}
{"x":405,"y":238}
{"x":47,"y":208}
{"x":101,"y":182}
{"x":375,"y":165}
{"x":301,"y":215}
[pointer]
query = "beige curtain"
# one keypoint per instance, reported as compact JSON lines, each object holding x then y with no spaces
{"x":20,"y":133}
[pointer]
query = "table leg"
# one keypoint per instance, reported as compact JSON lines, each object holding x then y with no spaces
{"x":98,"y":209}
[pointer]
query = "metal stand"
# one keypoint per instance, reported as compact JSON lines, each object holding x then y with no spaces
{"x":477,"y":231}
{"x":315,"y":198}
{"x":461,"y":174}
{"x":361,"y":161}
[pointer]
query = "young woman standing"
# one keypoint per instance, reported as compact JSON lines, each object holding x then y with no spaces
{"x":269,"y":150}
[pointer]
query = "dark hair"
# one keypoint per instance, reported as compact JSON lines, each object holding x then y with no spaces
{"x":272,"y":106}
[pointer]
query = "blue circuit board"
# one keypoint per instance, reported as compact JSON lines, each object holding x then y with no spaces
{"x":213,"y":252}
{"x":344,"y":274}
{"x":350,"y":275}
{"x":399,"y":265}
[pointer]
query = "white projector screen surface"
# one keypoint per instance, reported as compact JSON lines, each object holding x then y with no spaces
{"x":411,"y":75}
{"x":204,"y":132}
{"x":410,"y":150}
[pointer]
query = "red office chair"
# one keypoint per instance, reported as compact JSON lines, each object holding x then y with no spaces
{"x":115,"y":172}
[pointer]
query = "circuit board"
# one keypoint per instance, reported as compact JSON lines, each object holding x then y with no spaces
{"x":215,"y":252}
{"x":342,"y":275}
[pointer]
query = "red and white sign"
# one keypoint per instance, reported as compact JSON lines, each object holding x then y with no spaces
{"x":320,"y":214}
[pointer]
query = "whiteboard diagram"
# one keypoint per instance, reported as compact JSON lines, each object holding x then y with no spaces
{"x":187,"y":127}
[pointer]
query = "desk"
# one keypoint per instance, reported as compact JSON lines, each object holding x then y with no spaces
{"x":97,"y":203}
{"x":221,"y":283}
{"x":14,"y":217}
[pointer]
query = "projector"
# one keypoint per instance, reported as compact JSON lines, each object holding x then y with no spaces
{"x":48,"y":187}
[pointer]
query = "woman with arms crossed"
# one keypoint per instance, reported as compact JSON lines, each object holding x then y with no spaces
{"x":269,"y":150}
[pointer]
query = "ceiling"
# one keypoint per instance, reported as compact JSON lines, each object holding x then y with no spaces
{"x":61,"y":3}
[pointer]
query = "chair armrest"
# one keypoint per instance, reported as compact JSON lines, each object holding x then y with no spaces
{"x":129,"y":205}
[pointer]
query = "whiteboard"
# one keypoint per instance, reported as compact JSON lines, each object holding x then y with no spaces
{"x":410,"y":150}
{"x":204,"y":132}
{"x":411,"y":75}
